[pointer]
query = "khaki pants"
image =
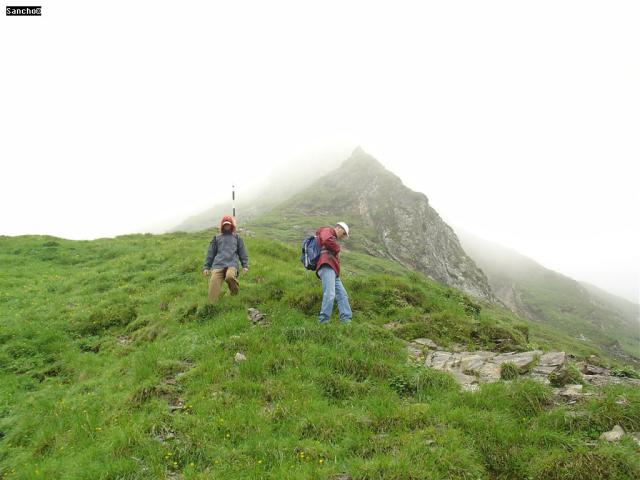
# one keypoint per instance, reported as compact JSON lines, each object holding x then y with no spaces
{"x":215,"y":282}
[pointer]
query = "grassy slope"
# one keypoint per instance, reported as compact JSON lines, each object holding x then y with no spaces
{"x":290,"y":227}
{"x":586,"y":318}
{"x":562,"y":301}
{"x":98,"y":338}
{"x":624,"y":306}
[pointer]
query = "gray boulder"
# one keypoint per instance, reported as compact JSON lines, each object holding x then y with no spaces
{"x":613,"y":435}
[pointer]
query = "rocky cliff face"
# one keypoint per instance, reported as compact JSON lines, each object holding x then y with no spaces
{"x":406,"y":226}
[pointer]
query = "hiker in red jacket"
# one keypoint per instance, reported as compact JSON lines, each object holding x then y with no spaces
{"x":328,"y":270}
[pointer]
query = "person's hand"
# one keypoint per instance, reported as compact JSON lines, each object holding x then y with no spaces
{"x":205,"y":272}
{"x":245,"y":270}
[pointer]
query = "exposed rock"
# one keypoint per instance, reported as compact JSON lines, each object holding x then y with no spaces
{"x":471,"y":363}
{"x":256,"y":316}
{"x":490,"y":372}
{"x":521,"y":360}
{"x":426,"y":342}
{"x":549,"y":363}
{"x":442,"y":360}
{"x":569,"y":392}
{"x":468,"y":382}
{"x":174,"y":476}
{"x":553,"y":359}
{"x":543,"y":370}
{"x":415,"y":353}
{"x":588,"y":369}
{"x":392,"y":325}
{"x":176,"y":404}
{"x":163,"y":433}
{"x":604,"y":380}
{"x":613,"y":435}
{"x":636,"y":437}
{"x":472,"y":368}
{"x":240,"y":357}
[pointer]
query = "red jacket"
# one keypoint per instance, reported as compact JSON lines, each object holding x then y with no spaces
{"x":330,"y":249}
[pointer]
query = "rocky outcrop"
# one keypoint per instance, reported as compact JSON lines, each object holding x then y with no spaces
{"x":570,"y":393}
{"x":471,"y":369}
{"x":599,"y":376}
{"x":550,"y":362}
{"x":615,"y":434}
{"x":256,"y":316}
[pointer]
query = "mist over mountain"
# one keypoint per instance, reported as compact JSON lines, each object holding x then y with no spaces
{"x":286,"y":181}
{"x":627,"y":308}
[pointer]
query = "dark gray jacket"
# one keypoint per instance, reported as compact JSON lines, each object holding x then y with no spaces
{"x":224,"y":250}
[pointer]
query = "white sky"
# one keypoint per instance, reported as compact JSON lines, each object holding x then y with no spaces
{"x":519,"y":120}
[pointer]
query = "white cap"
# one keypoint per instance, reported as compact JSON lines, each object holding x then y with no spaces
{"x":344,"y":226}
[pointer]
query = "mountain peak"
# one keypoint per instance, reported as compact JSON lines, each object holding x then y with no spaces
{"x":359,"y":158}
{"x":358,"y":151}
{"x":401,"y":223}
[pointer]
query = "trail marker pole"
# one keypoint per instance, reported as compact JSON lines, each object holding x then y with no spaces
{"x":233,"y":199}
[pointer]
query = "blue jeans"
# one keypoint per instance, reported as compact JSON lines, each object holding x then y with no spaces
{"x":332,"y":289}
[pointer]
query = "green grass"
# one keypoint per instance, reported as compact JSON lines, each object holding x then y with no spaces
{"x":98,"y":339}
{"x":566,"y":376}
{"x":509,"y":371}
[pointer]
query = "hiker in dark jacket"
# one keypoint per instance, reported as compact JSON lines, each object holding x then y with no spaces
{"x":222,"y":259}
{"x":328,"y":270}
